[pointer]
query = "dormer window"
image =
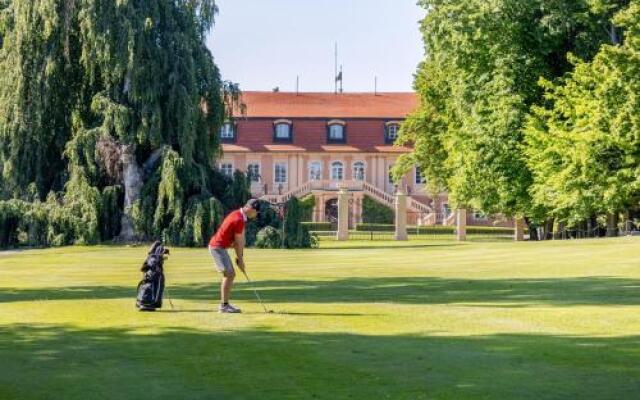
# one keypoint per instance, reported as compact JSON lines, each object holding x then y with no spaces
{"x":336,"y":131}
{"x":392,"y":129}
{"x":227,"y":132}
{"x":282,"y":131}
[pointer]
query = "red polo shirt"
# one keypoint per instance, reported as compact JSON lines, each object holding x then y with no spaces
{"x":225,"y":235}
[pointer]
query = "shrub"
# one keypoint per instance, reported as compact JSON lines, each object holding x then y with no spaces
{"x":306,"y":208}
{"x":296,"y":235}
{"x":268,"y":238}
{"x":376,"y":213}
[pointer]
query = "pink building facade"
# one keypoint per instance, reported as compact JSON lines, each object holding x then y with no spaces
{"x":314,"y":143}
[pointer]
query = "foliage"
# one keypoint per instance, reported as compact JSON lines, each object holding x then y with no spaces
{"x":435,"y":229}
{"x":295,"y":234}
{"x":477,"y":84}
{"x":376,"y":213}
{"x":306,"y":207}
{"x":268,"y":238}
{"x":583,"y":143}
{"x":81,"y":83}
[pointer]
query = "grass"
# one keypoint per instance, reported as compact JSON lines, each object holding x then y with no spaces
{"x":362,"y":320}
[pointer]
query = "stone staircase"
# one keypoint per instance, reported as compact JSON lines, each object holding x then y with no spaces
{"x":427,"y":216}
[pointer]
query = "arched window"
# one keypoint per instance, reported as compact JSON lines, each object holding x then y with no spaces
{"x":315,"y":171}
{"x":282,"y":131}
{"x":336,"y":132}
{"x":337,"y":171}
{"x":358,"y":171}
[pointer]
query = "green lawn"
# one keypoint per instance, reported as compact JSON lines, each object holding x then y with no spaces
{"x":366,"y":320}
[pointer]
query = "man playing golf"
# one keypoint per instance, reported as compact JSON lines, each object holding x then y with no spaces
{"x":231,"y":233}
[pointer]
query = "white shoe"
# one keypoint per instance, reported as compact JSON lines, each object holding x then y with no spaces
{"x":228,"y":309}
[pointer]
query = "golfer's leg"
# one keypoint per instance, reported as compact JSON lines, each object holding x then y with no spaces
{"x":227,"y":284}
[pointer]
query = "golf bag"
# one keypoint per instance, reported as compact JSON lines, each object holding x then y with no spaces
{"x":151,"y":287}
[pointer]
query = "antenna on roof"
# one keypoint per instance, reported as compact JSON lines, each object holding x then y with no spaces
{"x":297,"y":85}
{"x":375,"y":86}
{"x":335,"y":70}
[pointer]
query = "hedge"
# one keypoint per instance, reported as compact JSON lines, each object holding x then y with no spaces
{"x":435,"y":229}
{"x":317,"y":226}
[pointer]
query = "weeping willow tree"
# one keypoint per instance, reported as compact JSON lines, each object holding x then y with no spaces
{"x":116,"y":105}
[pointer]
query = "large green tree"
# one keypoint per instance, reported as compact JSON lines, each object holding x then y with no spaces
{"x":583,"y":145}
{"x":97,"y":94}
{"x":477,"y":83}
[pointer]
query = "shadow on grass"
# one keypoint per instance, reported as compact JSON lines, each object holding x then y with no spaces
{"x":402,"y":290}
{"x":62,"y":362}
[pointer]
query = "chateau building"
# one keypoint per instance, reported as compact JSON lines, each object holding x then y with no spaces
{"x":300,"y":144}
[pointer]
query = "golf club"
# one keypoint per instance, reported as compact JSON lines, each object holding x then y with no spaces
{"x":254,"y":289}
{"x":168,"y":297}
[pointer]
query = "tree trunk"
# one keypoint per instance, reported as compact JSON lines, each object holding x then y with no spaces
{"x":533,"y":229}
{"x":132,"y":177}
{"x":548,"y":229}
{"x":612,"y":225}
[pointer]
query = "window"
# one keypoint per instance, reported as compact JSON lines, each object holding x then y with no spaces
{"x":280,"y":173}
{"x":446,"y":210}
{"x":419,"y":178}
{"x":282,"y":131}
{"x":391,"y":131}
{"x":337,"y":171}
{"x":227,"y":131}
{"x":358,"y":171}
{"x":336,"y":132}
{"x":315,"y":171}
{"x":391,"y":181}
{"x":226,"y":169}
{"x":253,"y":172}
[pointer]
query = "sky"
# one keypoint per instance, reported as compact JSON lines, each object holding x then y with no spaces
{"x":263,"y":44}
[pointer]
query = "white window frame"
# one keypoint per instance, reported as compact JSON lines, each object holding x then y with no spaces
{"x":222,"y":169}
{"x":286,"y":172}
{"x":277,"y":133}
{"x":364,"y":171}
{"x":259,"y":177}
{"x":319,"y":163}
{"x":227,"y":131}
{"x":341,"y":170}
{"x":396,"y":130}
{"x":331,"y":131}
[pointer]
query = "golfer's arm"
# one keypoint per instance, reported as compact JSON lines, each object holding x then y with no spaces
{"x":238,"y":245}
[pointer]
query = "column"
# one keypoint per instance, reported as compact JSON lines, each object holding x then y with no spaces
{"x":343,"y":215}
{"x":461,"y":224}
{"x":519,"y":229}
{"x":401,"y":216}
{"x":267,"y":173}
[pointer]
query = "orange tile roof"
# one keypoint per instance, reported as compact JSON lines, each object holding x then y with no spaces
{"x":328,"y":105}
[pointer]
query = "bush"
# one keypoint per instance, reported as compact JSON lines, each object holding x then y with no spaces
{"x":435,"y":229}
{"x":266,"y":217}
{"x":269,"y":238}
{"x":306,"y":208}
{"x":317,"y":226}
{"x":296,"y":235}
{"x":376,"y":213}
